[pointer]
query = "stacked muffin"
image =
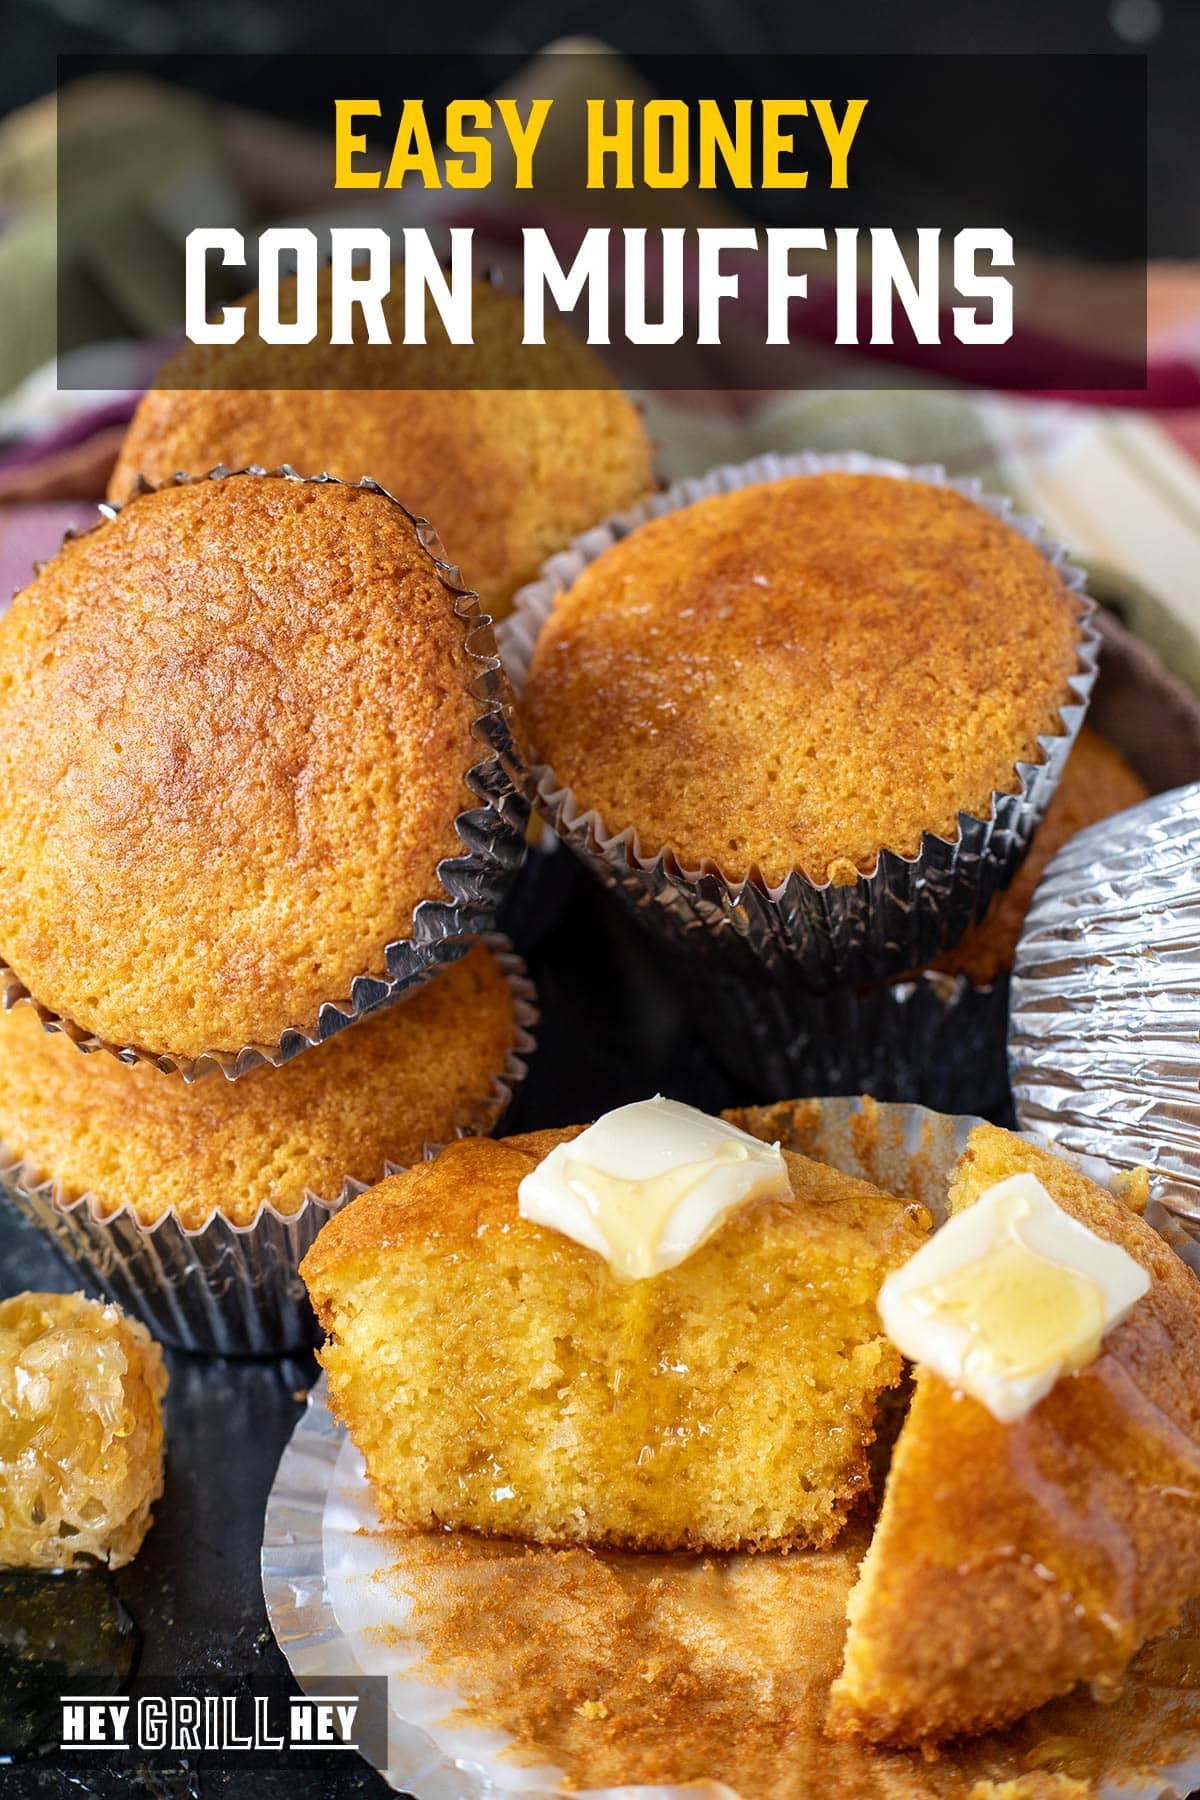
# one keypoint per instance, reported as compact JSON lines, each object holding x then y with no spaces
{"x":805,"y":718}
{"x":510,"y":449}
{"x":256,"y":765}
{"x":258,"y":757}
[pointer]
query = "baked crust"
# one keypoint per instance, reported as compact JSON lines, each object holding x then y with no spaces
{"x":800,"y":674}
{"x":1096,"y":783}
{"x":508,"y":473}
{"x":378,"y":1093}
{"x":235,"y":730}
{"x":1011,"y":1562}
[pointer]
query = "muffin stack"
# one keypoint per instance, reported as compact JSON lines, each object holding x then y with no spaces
{"x":804,"y":717}
{"x":257,"y":787}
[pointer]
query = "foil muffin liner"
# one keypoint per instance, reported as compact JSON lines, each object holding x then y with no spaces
{"x":336,"y":1610}
{"x":226,"y":1289}
{"x":475,"y":882}
{"x":933,"y":1039}
{"x":1105,"y":1017}
{"x":890,"y":920}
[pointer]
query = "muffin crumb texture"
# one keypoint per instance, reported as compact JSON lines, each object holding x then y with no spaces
{"x":951,"y":1632}
{"x":497,"y":1376}
{"x":81,"y":1439}
{"x":801,"y":674}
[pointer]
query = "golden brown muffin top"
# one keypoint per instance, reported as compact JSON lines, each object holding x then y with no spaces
{"x":508,"y":475}
{"x":469,"y":1193}
{"x":235,"y":726}
{"x":375,"y":1093}
{"x":1013,"y":1561}
{"x":800,"y":674}
{"x":1096,"y":782}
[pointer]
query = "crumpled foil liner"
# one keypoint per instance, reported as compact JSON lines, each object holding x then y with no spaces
{"x":345,"y":1600}
{"x":226,"y":1289}
{"x":887,"y":922}
{"x":493,"y":836}
{"x":1104,"y":1035}
{"x":933,"y":1039}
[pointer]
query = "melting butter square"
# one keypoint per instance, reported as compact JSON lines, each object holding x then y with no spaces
{"x":1010,"y":1295}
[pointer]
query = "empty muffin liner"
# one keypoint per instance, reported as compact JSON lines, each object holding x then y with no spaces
{"x":1104,"y":1037}
{"x":892,"y":919}
{"x":933,"y":1039}
{"x":475,"y":883}
{"x":333,"y":1583}
{"x":226,"y":1289}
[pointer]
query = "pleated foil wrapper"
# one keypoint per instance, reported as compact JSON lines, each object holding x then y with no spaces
{"x":339,"y":1599}
{"x":891,"y":920}
{"x":226,"y":1289}
{"x":933,"y":1039}
{"x":1104,"y":1035}
{"x":475,"y":883}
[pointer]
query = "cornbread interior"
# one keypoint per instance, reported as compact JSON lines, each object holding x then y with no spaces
{"x":81,"y":1437}
{"x":496,"y":1376}
{"x":1011,"y":1562}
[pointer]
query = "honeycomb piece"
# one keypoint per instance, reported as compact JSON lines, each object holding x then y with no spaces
{"x":81,"y":1438}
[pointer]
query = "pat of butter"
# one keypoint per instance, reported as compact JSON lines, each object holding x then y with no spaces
{"x":646,"y":1185}
{"x":1008,"y":1296}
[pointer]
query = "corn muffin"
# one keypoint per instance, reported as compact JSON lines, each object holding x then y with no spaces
{"x":497,"y":1376}
{"x":1011,"y":1562}
{"x":508,"y":473}
{"x":81,"y":1438}
{"x":236,"y":725}
{"x":409,"y":1075}
{"x":1096,"y":783}
{"x":803,"y":673}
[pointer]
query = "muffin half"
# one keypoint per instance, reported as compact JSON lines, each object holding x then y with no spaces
{"x":499,"y":1376}
{"x":1013,"y":1561}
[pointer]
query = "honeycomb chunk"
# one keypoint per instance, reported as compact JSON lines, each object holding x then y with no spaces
{"x":81,"y":1438}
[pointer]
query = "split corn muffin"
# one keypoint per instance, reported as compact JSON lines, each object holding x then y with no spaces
{"x":800,"y":674}
{"x":508,"y":471}
{"x":497,"y":1376}
{"x":236,"y":724}
{"x":1011,"y":1562}
{"x":81,"y":1437}
{"x":1096,"y":783}
{"x":399,"y":1079}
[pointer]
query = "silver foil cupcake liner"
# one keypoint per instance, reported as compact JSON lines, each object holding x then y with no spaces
{"x":475,"y":883}
{"x":336,"y":1613}
{"x":226,"y":1289}
{"x":1104,"y":1039}
{"x":933,"y":1040}
{"x":893,"y":919}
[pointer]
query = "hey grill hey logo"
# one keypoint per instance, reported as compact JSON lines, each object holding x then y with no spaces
{"x":224,"y":1722}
